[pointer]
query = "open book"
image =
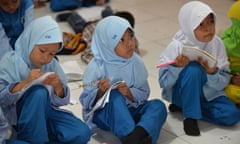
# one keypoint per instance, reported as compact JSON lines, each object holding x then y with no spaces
{"x":38,"y":81}
{"x":104,"y":99}
{"x":193,"y":53}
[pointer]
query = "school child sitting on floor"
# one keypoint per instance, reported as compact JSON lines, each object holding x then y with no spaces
{"x":193,"y":87}
{"x":129,"y":114}
{"x":33,"y":110}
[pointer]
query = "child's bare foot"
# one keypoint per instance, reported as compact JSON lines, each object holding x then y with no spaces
{"x":39,"y":4}
{"x":100,"y":2}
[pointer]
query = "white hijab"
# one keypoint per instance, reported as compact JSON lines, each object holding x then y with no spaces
{"x":190,"y":16}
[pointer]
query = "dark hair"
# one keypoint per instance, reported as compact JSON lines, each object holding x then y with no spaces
{"x":127,"y":15}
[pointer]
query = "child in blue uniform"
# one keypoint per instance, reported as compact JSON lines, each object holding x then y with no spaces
{"x":61,"y":5}
{"x":35,"y":112}
{"x":15,"y":15}
{"x":195,"y":88}
{"x":129,"y":114}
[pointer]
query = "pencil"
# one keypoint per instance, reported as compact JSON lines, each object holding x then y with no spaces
{"x":166,"y":64}
{"x":89,"y":84}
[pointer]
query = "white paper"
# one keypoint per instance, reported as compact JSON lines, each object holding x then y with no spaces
{"x":91,"y":13}
{"x":194,"y":53}
{"x":38,"y":81}
{"x":72,"y":70}
{"x":104,"y":99}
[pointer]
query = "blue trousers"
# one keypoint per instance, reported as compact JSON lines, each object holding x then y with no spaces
{"x":39,"y":122}
{"x":188,"y":94}
{"x":16,"y":142}
{"x":121,"y":120}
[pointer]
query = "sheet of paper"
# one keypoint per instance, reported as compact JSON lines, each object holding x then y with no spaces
{"x":72,"y":70}
{"x":91,"y":13}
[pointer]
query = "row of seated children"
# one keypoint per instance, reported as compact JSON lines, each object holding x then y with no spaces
{"x":34,"y":111}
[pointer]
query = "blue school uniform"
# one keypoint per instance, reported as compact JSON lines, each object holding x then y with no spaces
{"x":199,"y":94}
{"x":119,"y":115}
{"x":61,"y":5}
{"x":3,"y":126}
{"x":12,"y":24}
{"x":35,"y":113}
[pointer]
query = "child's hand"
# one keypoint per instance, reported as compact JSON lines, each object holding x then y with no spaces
{"x":236,"y":80}
{"x":204,"y":64}
{"x":55,"y":82}
{"x":34,"y":74}
{"x":124,"y":90}
{"x":103,"y":86}
{"x":100,"y":2}
{"x":181,"y":61}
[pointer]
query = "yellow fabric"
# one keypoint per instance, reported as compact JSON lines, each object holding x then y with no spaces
{"x":233,"y":92}
{"x":234,"y":64}
{"x":234,"y":11}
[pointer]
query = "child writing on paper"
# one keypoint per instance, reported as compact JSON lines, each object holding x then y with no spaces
{"x":193,"y":87}
{"x":35,"y":112}
{"x":231,"y":37}
{"x":15,"y":15}
{"x":129,"y":114}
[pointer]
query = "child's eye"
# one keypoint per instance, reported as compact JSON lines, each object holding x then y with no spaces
{"x":121,"y":40}
{"x":213,"y":21}
{"x":42,"y":51}
{"x":52,"y":54}
{"x":131,"y":35}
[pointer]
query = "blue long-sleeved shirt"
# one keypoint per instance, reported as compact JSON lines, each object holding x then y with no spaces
{"x":3,"y":126}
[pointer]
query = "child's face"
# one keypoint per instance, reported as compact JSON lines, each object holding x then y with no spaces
{"x":43,"y":54}
{"x":206,"y":30}
{"x":9,"y":6}
{"x":125,"y":47}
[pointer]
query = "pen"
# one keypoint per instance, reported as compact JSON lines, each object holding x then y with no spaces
{"x":166,"y":64}
{"x":89,"y":84}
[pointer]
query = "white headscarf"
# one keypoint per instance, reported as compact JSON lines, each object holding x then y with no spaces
{"x":190,"y":16}
{"x":16,"y":65}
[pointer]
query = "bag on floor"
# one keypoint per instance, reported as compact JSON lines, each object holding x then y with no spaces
{"x":72,"y":44}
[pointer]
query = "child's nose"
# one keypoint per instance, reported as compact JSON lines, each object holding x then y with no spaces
{"x":46,"y":58}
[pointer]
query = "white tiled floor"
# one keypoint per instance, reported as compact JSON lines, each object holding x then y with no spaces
{"x":156,"y":23}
